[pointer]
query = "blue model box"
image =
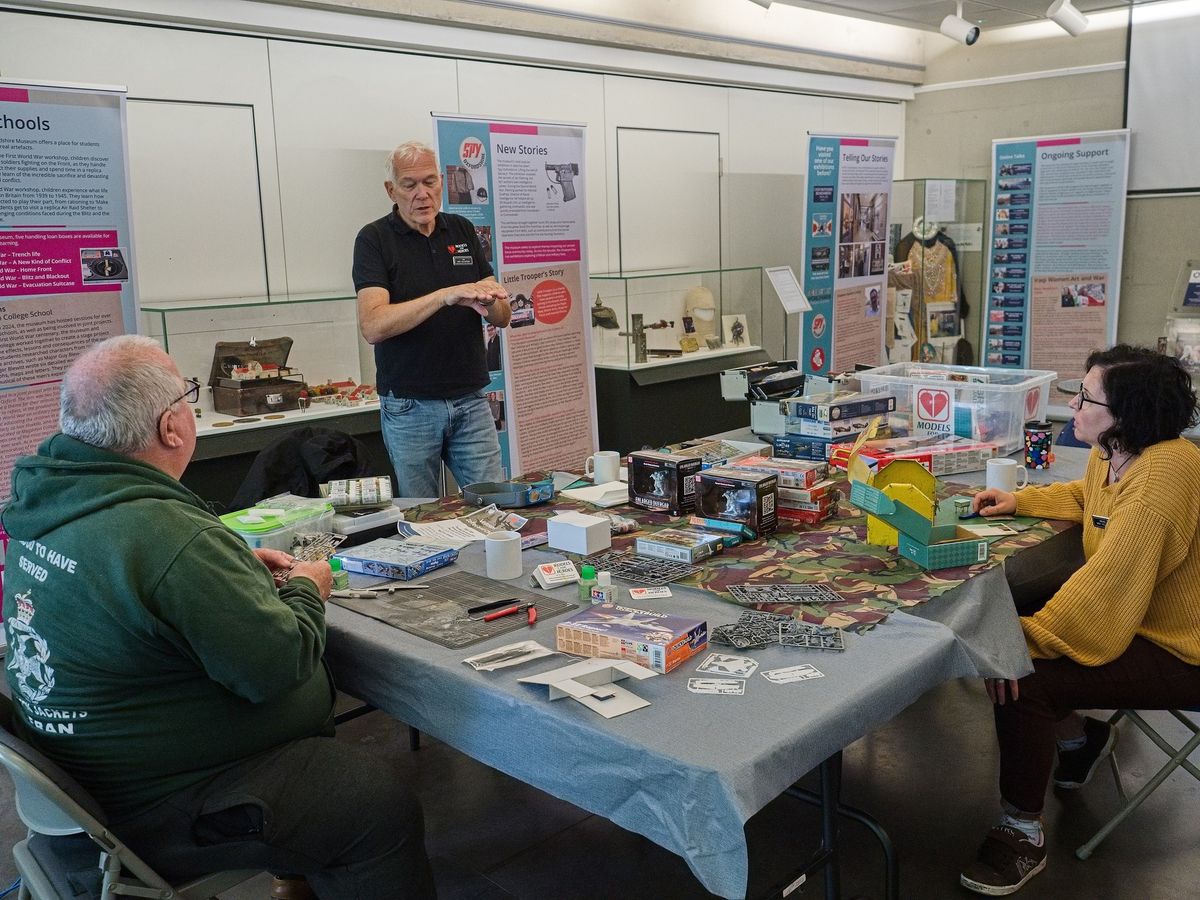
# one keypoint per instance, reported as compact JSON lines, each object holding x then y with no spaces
{"x":795,"y":446}
{"x":838,"y":405}
{"x":388,"y":558}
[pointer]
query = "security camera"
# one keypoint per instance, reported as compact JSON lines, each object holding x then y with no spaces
{"x":959,"y":29}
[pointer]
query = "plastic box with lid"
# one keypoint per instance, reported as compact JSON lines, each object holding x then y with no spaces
{"x":988,"y":405}
{"x":272,"y":523}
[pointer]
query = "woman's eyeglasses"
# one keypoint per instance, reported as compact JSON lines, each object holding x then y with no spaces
{"x":1084,"y":398}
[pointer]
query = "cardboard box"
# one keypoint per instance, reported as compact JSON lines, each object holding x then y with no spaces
{"x":836,"y":429}
{"x":739,"y":496}
{"x":808,"y":517}
{"x":404,"y":560}
{"x":941,"y":456}
{"x":663,"y":482}
{"x":838,"y":405}
{"x":928,"y":543}
{"x":679,"y":545}
{"x":657,"y":641}
{"x":792,"y":473}
{"x":577,"y":532}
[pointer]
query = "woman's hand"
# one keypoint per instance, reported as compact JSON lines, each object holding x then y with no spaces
{"x":1000,"y":689}
{"x":994,"y":502}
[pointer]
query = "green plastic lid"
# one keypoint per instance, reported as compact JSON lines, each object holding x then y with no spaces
{"x":275,"y":514}
{"x":588,"y":572}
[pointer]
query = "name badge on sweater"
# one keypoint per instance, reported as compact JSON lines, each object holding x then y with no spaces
{"x":1100,"y":521}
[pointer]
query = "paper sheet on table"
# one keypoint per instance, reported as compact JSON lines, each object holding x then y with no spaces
{"x":458,"y":532}
{"x":609,"y":493}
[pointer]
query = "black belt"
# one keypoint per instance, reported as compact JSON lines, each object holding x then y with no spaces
{"x":507,"y":494}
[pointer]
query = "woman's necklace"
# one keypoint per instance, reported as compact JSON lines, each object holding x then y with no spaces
{"x":1115,"y":471}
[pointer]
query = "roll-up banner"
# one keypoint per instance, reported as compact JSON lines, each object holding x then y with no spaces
{"x":845,"y":264}
{"x":1057,"y":227}
{"x":522,"y":185}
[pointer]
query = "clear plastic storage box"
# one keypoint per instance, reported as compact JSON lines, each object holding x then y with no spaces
{"x":981,"y":404}
{"x":275,"y":521}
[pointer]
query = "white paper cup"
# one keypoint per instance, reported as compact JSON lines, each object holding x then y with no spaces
{"x":503,"y":552}
{"x":603,"y":466}
{"x":1002,"y":474}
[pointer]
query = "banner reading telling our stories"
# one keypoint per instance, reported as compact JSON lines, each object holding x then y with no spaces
{"x":522,"y":185}
{"x":845,"y":268}
{"x":1054,"y":265}
{"x":66,"y":265}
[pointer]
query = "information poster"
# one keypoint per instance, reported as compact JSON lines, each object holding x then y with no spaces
{"x":1057,"y":227}
{"x":845,"y":267}
{"x":522,"y":186}
{"x":66,"y":263}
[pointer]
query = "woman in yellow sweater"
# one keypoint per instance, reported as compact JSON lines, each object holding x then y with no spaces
{"x":1124,"y":630}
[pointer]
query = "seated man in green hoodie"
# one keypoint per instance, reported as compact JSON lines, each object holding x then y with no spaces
{"x":153,"y":657}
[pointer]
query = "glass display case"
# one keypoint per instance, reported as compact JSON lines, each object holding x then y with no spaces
{"x":646,"y":319}
{"x":936,"y":293}
{"x":321,"y":330}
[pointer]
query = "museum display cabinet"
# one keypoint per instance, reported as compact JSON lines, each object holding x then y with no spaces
{"x":938,"y":272}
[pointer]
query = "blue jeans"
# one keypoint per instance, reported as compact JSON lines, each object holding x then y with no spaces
{"x":420,"y":434}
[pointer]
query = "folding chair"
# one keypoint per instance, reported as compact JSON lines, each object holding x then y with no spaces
{"x":58,"y":859}
{"x":1178,"y":759}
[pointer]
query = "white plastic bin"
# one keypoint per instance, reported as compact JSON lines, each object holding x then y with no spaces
{"x":968,"y":401}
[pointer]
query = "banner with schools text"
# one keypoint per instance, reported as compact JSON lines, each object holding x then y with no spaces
{"x":66,"y":248}
{"x":1057,"y":227}
{"x":845,"y":263}
{"x":522,"y":185}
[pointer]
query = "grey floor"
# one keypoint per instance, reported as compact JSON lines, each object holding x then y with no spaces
{"x":928,"y":777}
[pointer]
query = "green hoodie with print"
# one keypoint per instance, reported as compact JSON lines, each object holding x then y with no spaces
{"x":148,"y":647}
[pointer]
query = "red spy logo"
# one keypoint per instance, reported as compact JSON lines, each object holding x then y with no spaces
{"x":818,"y":325}
{"x":934,"y":404}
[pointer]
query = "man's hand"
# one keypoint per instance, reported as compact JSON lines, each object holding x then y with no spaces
{"x":278,"y":563}
{"x":994,"y":502}
{"x":477,"y":294}
{"x":318,"y":573}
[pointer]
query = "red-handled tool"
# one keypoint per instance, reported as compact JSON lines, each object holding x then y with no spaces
{"x":509,"y":610}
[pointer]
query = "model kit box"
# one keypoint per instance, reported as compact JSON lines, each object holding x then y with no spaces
{"x":663,"y":482}
{"x":838,"y":405}
{"x":795,"y":446}
{"x":656,"y":641}
{"x":821,"y":490}
{"x":679,"y":545}
{"x":929,"y":544}
{"x":792,"y":473}
{"x":748,"y":499}
{"x":941,"y":456}
{"x":833,"y":429}
{"x":396,"y":559}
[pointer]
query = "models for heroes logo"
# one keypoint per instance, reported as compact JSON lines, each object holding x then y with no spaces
{"x":934,"y":410}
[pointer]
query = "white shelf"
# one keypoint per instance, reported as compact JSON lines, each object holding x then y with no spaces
{"x":620,"y":364}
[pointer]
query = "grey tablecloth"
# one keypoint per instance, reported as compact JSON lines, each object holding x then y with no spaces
{"x":688,"y":771}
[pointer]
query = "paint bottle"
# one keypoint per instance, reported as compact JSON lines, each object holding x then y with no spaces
{"x":341,"y":579}
{"x":587,"y":581}
{"x":603,"y":591}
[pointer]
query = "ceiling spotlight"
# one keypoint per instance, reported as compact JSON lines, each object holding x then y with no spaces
{"x":959,"y":29}
{"x":1068,"y":17}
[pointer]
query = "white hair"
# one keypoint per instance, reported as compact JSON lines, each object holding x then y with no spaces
{"x":115,"y":392}
{"x":407,"y":154}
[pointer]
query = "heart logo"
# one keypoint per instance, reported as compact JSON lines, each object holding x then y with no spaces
{"x":1031,"y":403}
{"x":933,"y":405}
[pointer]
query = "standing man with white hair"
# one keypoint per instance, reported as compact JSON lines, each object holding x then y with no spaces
{"x":153,"y":657}
{"x":423,"y":283}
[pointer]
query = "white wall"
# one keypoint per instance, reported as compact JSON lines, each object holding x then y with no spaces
{"x":313,"y":123}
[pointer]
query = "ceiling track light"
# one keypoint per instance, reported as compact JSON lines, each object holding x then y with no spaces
{"x":959,"y":29}
{"x":1067,"y":17}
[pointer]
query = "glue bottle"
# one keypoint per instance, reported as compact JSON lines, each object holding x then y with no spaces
{"x":587,"y":581}
{"x":604,"y":592}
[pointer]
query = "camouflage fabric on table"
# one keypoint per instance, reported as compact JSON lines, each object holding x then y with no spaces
{"x":873,"y":580}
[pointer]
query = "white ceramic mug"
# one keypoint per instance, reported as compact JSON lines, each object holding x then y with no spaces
{"x":603,"y":466}
{"x":1002,"y":474}
{"x":502,"y":550}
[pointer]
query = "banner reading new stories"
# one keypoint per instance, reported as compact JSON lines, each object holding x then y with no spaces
{"x":1054,"y":264}
{"x":66,"y":262}
{"x":845,"y":266}
{"x":521,"y":184}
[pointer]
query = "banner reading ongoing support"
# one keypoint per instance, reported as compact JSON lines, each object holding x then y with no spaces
{"x":845,"y":269}
{"x":521,"y":184}
{"x":66,"y":261}
{"x":1054,"y":264}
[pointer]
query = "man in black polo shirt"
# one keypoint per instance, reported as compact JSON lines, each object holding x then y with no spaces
{"x":422,"y":283}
